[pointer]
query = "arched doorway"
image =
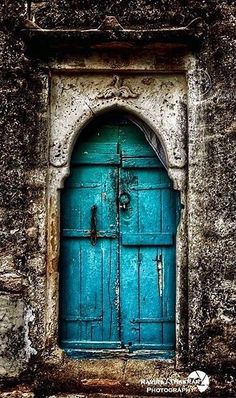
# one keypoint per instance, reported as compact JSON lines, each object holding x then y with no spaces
{"x":119,"y":216}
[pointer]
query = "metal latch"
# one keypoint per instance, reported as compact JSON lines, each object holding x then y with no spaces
{"x":93,"y":231}
{"x":159,"y":265}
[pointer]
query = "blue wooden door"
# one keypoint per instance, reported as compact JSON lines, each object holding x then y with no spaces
{"x":118,"y":226}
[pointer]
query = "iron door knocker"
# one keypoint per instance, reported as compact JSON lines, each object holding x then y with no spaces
{"x":124,"y":200}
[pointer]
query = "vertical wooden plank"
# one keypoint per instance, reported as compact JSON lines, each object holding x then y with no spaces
{"x":150,"y":300}
{"x":69,"y":307}
{"x":110,"y":305}
{"x":129,"y":266}
{"x":129,"y":295}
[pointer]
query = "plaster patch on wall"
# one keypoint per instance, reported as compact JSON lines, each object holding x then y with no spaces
{"x":11,"y":323}
{"x":28,"y":318}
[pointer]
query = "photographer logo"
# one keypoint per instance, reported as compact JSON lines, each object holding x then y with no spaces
{"x":199,"y":379}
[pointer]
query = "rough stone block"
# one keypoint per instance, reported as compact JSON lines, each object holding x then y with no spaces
{"x":11,"y":332}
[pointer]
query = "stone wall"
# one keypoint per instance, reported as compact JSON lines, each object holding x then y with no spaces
{"x":23,"y":204}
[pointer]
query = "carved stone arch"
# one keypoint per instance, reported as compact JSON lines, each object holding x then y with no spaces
{"x":61,"y":148}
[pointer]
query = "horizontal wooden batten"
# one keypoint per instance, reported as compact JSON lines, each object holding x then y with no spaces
{"x":113,"y":345}
{"x":78,"y":233}
{"x":95,"y":148}
{"x":146,"y":239}
{"x":137,"y":150}
{"x":150,"y":187}
{"x":99,"y":158}
{"x":153,"y":320}
{"x":82,"y":319}
{"x":152,"y":347}
{"x":149,"y":162}
{"x":72,"y":184}
{"x":96,"y":154}
{"x":115,"y":353}
{"x":91,"y":344}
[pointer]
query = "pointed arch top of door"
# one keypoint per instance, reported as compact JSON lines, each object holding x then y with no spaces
{"x":61,"y":151}
{"x":153,"y":133}
{"x":150,"y":136}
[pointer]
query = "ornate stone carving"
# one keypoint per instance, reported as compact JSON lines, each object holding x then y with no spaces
{"x":117,"y":90}
{"x":110,"y":23}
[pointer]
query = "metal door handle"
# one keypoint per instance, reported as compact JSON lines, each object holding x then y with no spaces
{"x":93,"y":231}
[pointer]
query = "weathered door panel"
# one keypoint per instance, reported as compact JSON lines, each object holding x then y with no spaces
{"x":118,"y":288}
{"x":148,"y":227}
{"x":89,"y":268}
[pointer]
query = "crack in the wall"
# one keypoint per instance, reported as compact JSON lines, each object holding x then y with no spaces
{"x":90,"y":108}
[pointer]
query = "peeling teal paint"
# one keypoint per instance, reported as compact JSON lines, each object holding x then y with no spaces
{"x":118,"y":225}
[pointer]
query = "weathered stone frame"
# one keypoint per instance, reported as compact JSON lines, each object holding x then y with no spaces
{"x":57,"y":174}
